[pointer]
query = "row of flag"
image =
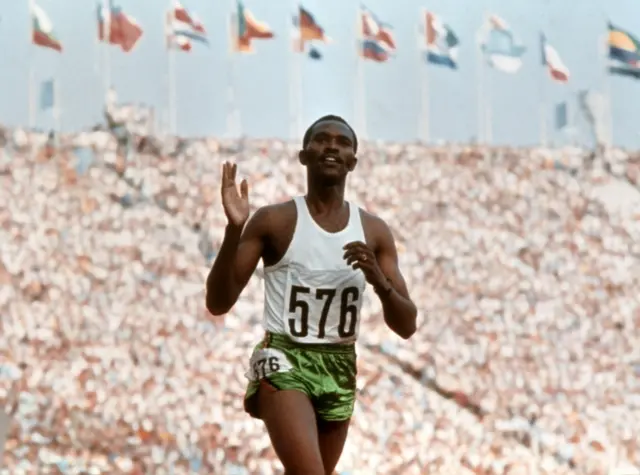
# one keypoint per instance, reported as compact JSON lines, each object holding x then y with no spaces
{"x":439,"y":43}
{"x":182,"y":28}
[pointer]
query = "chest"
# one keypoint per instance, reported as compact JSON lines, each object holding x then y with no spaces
{"x":314,"y":242}
{"x":331,"y":223}
{"x":318,"y":252}
{"x":321,"y":251}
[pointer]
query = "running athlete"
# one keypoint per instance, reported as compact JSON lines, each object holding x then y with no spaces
{"x":318,"y":251}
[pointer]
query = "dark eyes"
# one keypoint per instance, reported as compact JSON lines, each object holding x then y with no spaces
{"x":322,"y":138}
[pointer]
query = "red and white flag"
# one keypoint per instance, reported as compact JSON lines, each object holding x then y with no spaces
{"x":42,"y":29}
{"x":117,"y":28}
{"x":181,"y":14}
{"x":551,"y":59}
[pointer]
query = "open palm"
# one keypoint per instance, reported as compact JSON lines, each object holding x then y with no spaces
{"x":235,"y":203}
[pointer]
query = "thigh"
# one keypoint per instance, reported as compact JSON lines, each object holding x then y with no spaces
{"x":331,"y":438}
{"x":291,"y":422}
{"x":279,"y":369}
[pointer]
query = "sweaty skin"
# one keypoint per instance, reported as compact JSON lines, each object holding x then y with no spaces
{"x":305,"y":444}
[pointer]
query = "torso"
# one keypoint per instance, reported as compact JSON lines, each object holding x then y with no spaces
{"x":311,"y":294}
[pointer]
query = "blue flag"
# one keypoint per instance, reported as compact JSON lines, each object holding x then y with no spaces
{"x":562,"y":116}
{"x":47,"y":95}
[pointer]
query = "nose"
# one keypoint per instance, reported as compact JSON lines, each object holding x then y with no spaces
{"x":331,"y":146}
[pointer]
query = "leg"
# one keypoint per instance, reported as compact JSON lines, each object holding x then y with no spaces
{"x":334,"y":401}
{"x":291,"y":423}
{"x":331,"y":437}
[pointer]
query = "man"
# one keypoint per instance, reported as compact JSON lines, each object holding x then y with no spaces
{"x":318,"y":251}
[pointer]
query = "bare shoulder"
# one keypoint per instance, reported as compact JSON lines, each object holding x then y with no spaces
{"x":271,"y":218}
{"x":372,"y":220}
{"x":277,"y":212}
{"x":376,"y":230}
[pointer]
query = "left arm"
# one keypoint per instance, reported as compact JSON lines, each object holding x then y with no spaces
{"x":379,"y":263}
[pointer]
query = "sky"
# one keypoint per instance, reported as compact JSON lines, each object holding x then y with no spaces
{"x":262,"y":82}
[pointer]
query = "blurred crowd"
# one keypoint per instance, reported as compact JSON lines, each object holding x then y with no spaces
{"x":524,"y":264}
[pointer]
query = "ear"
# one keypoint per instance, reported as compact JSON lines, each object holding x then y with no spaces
{"x":302,"y":157}
{"x":352,"y":164}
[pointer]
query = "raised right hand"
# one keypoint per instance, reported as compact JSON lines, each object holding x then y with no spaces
{"x":234,"y":202}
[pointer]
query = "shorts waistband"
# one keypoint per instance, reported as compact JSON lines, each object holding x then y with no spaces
{"x":283,"y":341}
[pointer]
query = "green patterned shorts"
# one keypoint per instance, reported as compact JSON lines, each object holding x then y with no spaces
{"x":325,"y":373}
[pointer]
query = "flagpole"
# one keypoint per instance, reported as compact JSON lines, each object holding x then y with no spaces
{"x":488,"y":91}
{"x":300,"y":98}
{"x":96,"y":43}
{"x":424,"y":121}
{"x":480,"y":94}
{"x":293,"y":83}
{"x":56,"y":107}
{"x":96,"y":48}
{"x":603,"y":46}
{"x":233,"y":126}
{"x":32,"y":101}
{"x":360,"y":95}
{"x":106,"y":50}
{"x":172,"y":93}
{"x":166,"y":119}
{"x":298,"y":64}
{"x":480,"y":67}
{"x":489,"y":115}
{"x":572,"y":130}
{"x":543,"y":97}
{"x":31,"y":85}
{"x":171,"y":79}
{"x":544,"y":81}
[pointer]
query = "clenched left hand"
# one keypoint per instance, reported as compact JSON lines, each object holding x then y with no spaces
{"x":359,"y":256}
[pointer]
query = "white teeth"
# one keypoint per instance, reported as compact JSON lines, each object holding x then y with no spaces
{"x":330,"y":159}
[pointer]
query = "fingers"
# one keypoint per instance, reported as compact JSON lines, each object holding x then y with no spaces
{"x":224,"y":174}
{"x":354,"y":255}
{"x":229,"y":172}
{"x":355,"y":245}
{"x":355,"y":248}
{"x":358,"y":255}
{"x":359,"y":260}
{"x":227,"y":175}
{"x":244,"y":189}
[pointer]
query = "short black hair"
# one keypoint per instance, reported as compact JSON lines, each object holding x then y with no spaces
{"x":307,"y":135}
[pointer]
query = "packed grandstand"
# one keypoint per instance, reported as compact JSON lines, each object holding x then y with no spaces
{"x":524,"y":264}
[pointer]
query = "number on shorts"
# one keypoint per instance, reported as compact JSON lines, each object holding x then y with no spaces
{"x":265,"y":366}
{"x":348,"y":311}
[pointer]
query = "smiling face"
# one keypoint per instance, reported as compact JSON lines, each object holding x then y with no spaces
{"x":330,"y":154}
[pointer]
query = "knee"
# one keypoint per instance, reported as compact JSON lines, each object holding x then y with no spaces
{"x":303,"y":463}
{"x":315,"y":470}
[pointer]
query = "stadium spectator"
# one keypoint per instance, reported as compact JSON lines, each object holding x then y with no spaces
{"x":525,"y":271}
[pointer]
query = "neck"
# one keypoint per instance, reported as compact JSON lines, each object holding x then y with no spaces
{"x":325,"y":197}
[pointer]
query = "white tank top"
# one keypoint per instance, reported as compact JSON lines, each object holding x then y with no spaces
{"x":312,"y":295}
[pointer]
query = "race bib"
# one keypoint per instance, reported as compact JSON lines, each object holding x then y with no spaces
{"x":265,"y":362}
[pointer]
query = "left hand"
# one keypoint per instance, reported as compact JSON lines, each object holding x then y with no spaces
{"x":359,"y":256}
